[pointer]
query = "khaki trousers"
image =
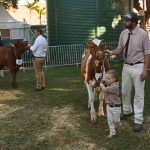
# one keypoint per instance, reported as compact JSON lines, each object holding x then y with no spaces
{"x":38,"y":67}
{"x":131,"y":76}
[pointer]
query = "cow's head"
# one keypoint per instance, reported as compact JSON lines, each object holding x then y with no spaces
{"x":92,"y":47}
{"x":100,"y":53}
{"x":97,"y":48}
{"x":97,"y":52}
{"x":20,"y":47}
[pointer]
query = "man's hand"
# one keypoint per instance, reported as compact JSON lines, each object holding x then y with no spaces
{"x":108,"y":52}
{"x":144,"y":75}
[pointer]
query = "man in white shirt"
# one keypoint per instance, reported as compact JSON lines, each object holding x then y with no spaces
{"x":39,"y":49}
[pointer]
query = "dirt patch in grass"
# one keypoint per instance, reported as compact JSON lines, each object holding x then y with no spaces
{"x":57,"y":117}
{"x":9,"y":95}
{"x":6,"y":109}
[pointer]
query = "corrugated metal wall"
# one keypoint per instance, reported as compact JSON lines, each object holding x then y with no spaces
{"x":76,"y":21}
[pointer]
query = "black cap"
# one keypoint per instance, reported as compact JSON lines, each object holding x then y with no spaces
{"x":131,"y":16}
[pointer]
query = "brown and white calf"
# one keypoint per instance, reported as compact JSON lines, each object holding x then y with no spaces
{"x":93,"y":66}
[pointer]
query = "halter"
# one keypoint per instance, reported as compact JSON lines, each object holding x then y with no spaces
{"x":103,"y":66}
{"x":18,"y":61}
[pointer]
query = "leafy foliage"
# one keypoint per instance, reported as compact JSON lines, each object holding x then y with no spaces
{"x":34,"y":6}
{"x":8,"y":3}
{"x":41,"y":11}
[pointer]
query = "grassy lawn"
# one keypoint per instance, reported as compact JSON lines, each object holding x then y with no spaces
{"x":57,"y":118}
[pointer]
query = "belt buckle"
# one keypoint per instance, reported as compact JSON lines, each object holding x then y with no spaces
{"x":112,"y":106}
{"x":133,"y":63}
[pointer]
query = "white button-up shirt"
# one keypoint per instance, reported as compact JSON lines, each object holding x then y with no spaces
{"x":39,"y":47}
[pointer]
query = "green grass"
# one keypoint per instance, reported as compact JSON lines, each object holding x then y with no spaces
{"x":57,"y":118}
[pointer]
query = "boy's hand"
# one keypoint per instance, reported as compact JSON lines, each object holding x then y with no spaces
{"x":102,"y":85}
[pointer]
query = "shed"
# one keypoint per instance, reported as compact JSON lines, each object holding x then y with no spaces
{"x":12,"y":29}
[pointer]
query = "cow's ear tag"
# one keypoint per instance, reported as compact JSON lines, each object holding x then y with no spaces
{"x":19,"y":61}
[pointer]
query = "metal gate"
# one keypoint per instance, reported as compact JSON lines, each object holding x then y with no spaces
{"x":64,"y":55}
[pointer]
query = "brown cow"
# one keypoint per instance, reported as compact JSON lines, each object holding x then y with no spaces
{"x":11,"y":58}
{"x":93,"y":66}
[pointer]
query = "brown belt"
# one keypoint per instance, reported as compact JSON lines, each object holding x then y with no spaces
{"x":131,"y":64}
{"x":115,"y":105}
{"x":38,"y":57}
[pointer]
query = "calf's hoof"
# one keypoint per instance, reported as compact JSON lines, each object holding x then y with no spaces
{"x":100,"y":114}
{"x":93,"y":118}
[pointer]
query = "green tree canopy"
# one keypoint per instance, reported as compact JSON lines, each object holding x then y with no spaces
{"x":41,"y":11}
{"x":8,"y":3}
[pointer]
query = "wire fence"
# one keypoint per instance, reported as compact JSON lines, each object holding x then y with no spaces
{"x":64,"y":55}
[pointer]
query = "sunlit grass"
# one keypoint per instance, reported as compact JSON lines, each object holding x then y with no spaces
{"x":62,"y":90}
{"x":57,"y":118}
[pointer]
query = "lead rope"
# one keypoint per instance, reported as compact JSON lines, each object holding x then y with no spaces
{"x":13,"y":46}
{"x":14,"y":49}
{"x":103,"y":68}
{"x":18,"y":61}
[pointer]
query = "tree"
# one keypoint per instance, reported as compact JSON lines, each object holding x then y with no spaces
{"x":41,"y":11}
{"x":32,"y":6}
{"x":146,"y":17}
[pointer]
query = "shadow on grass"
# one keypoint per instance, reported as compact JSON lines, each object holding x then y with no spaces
{"x":58,"y":118}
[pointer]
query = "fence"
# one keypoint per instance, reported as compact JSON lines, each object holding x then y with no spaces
{"x":64,"y":55}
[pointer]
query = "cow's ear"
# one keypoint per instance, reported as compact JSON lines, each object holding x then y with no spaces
{"x":17,"y":42}
{"x":105,"y":43}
